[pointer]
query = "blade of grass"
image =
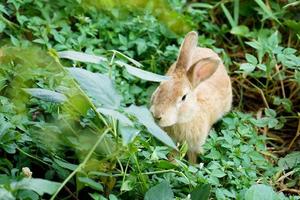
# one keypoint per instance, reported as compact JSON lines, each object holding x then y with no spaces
{"x":293,"y":4}
{"x":233,"y":23}
{"x":136,"y":63}
{"x":236,"y":11}
{"x":228,"y":16}
{"x":267,"y":10}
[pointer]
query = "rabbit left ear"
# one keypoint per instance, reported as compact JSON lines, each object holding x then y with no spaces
{"x":202,"y":70}
{"x":186,"y":50}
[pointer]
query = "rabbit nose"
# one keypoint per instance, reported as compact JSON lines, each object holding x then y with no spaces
{"x":155,"y":114}
{"x":158,"y":118}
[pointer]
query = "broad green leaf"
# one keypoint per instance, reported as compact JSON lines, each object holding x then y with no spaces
{"x":96,"y":196}
{"x":46,"y":95}
{"x":123,"y":40}
{"x":241,"y":30}
{"x":127,"y":185}
{"x":4,"y":194}
{"x":141,"y":46}
{"x":3,"y":9}
{"x":255,"y":156}
{"x":220,"y":194}
{"x":161,"y":191}
{"x":251,"y":59}
{"x":39,"y":41}
{"x":159,"y":153}
{"x":2,"y":26}
{"x":254,"y":44}
{"x":218,"y":173}
{"x":273,"y":41}
{"x":4,"y":179}
{"x":262,"y":67}
{"x":272,"y":122}
{"x":144,"y":117}
{"x":4,"y":126}
{"x":261,"y":122}
{"x":27,"y":194}
{"x":99,"y":87}
{"x":116,"y":115}
{"x":227,"y":193}
{"x":14,"y":41}
{"x":166,"y":164}
{"x":214,"y":154}
{"x":91,"y":183}
{"x":293,"y":24}
{"x":261,"y":192}
{"x":82,"y":57}
{"x":128,"y":133}
{"x":201,"y":192}
{"x":112,"y":197}
{"x":38,"y":185}
{"x":270,"y":112}
{"x":247,"y":67}
{"x":290,"y":161}
{"x":289,"y":51}
{"x":65,"y":164}
{"x":145,"y":75}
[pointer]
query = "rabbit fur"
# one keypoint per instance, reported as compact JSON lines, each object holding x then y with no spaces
{"x":197,"y":95}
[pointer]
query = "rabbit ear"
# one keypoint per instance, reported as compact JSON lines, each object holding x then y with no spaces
{"x":202,"y":70}
{"x":186,"y":50}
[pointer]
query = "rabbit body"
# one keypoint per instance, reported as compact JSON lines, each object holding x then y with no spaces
{"x":198,"y":94}
{"x":214,"y":97}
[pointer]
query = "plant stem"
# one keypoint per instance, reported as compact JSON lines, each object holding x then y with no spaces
{"x":80,"y":166}
{"x":261,"y":92}
{"x":9,"y":23}
{"x":296,"y":135}
{"x":35,"y":158}
{"x":166,"y":171}
{"x":140,"y":172}
{"x":281,"y":81}
{"x":111,"y":64}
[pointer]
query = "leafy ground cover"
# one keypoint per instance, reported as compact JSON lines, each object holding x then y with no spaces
{"x":81,"y":124}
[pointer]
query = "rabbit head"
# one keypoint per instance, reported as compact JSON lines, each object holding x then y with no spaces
{"x":175,"y":100}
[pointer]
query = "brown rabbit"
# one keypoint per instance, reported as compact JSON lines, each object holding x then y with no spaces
{"x":196,"y":96}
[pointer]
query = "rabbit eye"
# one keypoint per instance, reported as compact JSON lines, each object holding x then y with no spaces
{"x":183,"y":97}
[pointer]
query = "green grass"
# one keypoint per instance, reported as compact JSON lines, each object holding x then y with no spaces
{"x":81,"y":145}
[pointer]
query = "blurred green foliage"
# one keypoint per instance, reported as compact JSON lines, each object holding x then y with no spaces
{"x":53,"y":140}
{"x":176,"y":22}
